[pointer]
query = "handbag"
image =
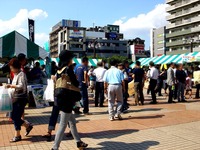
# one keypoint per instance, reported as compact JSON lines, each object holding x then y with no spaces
{"x":64,"y":88}
{"x":5,"y":100}
{"x":49,"y":92}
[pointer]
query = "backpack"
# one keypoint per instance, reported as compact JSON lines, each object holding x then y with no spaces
{"x":64,"y":88}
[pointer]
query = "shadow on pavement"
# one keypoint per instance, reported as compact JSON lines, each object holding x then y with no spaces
{"x":6,"y":121}
{"x":109,"y":134}
{"x":145,"y":109}
{"x":145,"y":117}
{"x":126,"y":146}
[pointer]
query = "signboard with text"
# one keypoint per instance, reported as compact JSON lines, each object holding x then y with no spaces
{"x":137,"y":49}
{"x":188,"y":58}
{"x":75,"y":34}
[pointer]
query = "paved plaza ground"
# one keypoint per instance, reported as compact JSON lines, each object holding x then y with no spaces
{"x":156,"y":127}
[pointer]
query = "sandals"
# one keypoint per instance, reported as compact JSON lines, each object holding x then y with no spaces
{"x":16,"y":139}
{"x":81,"y":145}
{"x":47,"y":136}
{"x":28,"y":130}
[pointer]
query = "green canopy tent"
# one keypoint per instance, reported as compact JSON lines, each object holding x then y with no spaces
{"x":167,"y":59}
{"x":92,"y":62}
{"x":14,"y":43}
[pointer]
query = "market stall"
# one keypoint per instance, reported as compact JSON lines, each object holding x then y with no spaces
{"x":14,"y":43}
{"x":92,"y":62}
{"x":167,"y":59}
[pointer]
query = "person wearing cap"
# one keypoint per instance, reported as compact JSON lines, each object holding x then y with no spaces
{"x":154,"y":73}
{"x":65,"y":67}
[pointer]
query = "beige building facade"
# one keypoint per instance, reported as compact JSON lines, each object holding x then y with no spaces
{"x":183,"y":26}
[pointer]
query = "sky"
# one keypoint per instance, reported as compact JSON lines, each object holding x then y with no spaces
{"x":135,"y":17}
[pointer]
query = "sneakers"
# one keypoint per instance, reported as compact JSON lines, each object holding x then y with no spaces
{"x":81,"y":145}
{"x":28,"y":130}
{"x":16,"y":139}
{"x":111,"y":118}
{"x":119,"y":117}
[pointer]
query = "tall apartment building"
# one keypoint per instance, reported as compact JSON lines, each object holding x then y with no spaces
{"x":72,"y":39}
{"x":54,"y":42}
{"x":158,"y":41}
{"x":184,"y":26}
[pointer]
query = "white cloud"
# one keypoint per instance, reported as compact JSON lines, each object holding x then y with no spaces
{"x":140,"y":25}
{"x":41,"y":38}
{"x":19,"y":23}
{"x":37,"y":13}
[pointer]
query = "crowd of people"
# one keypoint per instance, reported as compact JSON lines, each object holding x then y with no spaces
{"x":111,"y":84}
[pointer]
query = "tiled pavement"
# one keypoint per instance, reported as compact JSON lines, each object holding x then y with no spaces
{"x":157,"y":127}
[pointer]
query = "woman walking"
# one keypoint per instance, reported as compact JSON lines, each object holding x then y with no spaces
{"x":66,"y":102}
{"x":19,"y":95}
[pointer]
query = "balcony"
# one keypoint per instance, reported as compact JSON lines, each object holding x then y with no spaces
{"x":183,"y":23}
{"x":179,"y":33}
{"x":169,"y":1}
{"x":179,"y":5}
{"x":196,"y":49}
{"x":171,"y":25}
{"x":183,"y":13}
{"x":170,"y":17}
{"x":196,"y":29}
{"x":195,"y":19}
{"x":175,"y":43}
{"x":177,"y":52}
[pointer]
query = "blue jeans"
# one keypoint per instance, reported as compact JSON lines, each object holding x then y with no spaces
{"x":64,"y":119}
{"x":85,"y":101}
{"x":18,"y":110}
{"x":180,"y":91}
{"x":54,"y":117}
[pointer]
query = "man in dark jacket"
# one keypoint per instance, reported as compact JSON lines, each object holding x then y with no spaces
{"x":181,"y":79}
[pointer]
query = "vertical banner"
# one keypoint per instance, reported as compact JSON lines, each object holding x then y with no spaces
{"x":31,"y":29}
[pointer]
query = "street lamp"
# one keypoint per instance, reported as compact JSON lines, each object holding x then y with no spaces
{"x":94,"y":44}
{"x":191,"y":42}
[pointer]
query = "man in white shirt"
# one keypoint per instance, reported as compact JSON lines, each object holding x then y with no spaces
{"x":154,"y":73}
{"x":99,"y":88}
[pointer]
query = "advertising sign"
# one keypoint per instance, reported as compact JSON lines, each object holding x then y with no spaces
{"x":38,"y":93}
{"x":137,"y":49}
{"x":75,"y":34}
{"x":188,"y":58}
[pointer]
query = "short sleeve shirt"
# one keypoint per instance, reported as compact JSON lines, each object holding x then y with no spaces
{"x":80,"y":73}
{"x":139,"y":74}
{"x":113,"y":76}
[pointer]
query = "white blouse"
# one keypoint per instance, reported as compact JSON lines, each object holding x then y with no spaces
{"x":20,"y":81}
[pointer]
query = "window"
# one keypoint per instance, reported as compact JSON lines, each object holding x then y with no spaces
{"x":160,"y":35}
{"x":160,"y":42}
